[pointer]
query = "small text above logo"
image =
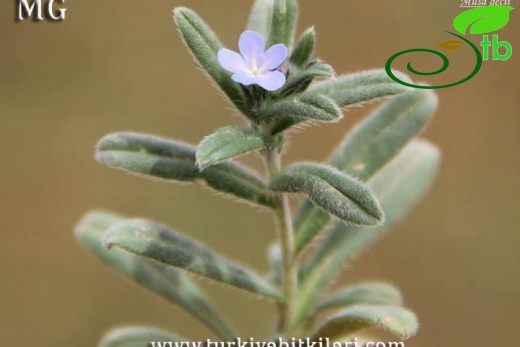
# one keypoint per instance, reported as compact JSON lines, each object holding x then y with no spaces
{"x":477,"y":3}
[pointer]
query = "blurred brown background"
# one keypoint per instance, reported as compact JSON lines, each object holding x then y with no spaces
{"x":119,"y":65}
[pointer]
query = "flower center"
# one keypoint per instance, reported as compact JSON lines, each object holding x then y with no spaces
{"x":256,"y":72}
{"x":256,"y":69}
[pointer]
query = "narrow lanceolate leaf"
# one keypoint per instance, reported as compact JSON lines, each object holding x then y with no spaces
{"x":381,"y":136}
{"x":302,"y":108}
{"x":158,"y":243}
{"x":137,"y":337}
{"x":169,"y":283}
{"x":228,"y":143}
{"x":299,"y":81}
{"x":363,"y":294}
{"x":361,"y":87}
{"x":334,"y":191}
{"x":305,"y":107}
{"x":396,"y":320}
{"x":204,"y":45}
{"x":369,"y":147}
{"x":304,"y":50}
{"x":283,"y":25}
{"x":261,"y":17}
{"x":399,"y":186}
{"x":175,"y":161}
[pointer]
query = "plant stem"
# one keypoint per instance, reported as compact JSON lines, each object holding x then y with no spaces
{"x":285,"y":232}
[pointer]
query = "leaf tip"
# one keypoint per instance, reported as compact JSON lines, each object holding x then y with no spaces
{"x":201,"y":161}
{"x":181,"y":14}
{"x":202,"y":165}
{"x":379,"y":215}
{"x":107,"y":142}
{"x":177,"y":11}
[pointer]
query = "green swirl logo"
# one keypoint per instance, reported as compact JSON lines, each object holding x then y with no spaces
{"x":480,"y":20}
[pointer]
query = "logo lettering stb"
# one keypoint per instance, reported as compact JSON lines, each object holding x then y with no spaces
{"x":496,"y":48}
{"x":35,"y":9}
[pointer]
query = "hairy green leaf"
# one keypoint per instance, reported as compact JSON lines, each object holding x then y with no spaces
{"x":361,"y":87}
{"x":381,"y":136}
{"x":172,"y":160}
{"x":318,"y":68}
{"x":261,"y":17}
{"x":334,"y":191}
{"x":482,"y":20}
{"x":399,"y":186}
{"x":228,"y":143}
{"x":397,"y":320}
{"x":368,"y":148}
{"x":363,"y":294}
{"x":283,"y":25}
{"x":304,"y":50}
{"x":156,"y":242}
{"x":299,"y":80}
{"x":312,"y":107}
{"x":167,"y":282}
{"x":204,"y":45}
{"x":287,"y":112}
{"x":137,"y":337}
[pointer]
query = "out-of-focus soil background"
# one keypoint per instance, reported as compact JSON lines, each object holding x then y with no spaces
{"x":119,"y":65}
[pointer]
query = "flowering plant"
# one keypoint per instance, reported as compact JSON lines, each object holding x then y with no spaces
{"x":371,"y":180}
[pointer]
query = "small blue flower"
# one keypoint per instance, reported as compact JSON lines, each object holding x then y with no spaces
{"x":255,"y":65}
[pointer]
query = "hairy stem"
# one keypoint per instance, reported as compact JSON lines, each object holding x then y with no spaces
{"x":285,"y":232}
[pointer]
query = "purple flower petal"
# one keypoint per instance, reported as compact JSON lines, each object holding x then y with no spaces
{"x":244,"y":79}
{"x":254,"y":65}
{"x":275,"y":56}
{"x":231,"y":61}
{"x":271,"y":80}
{"x":252,"y":47}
